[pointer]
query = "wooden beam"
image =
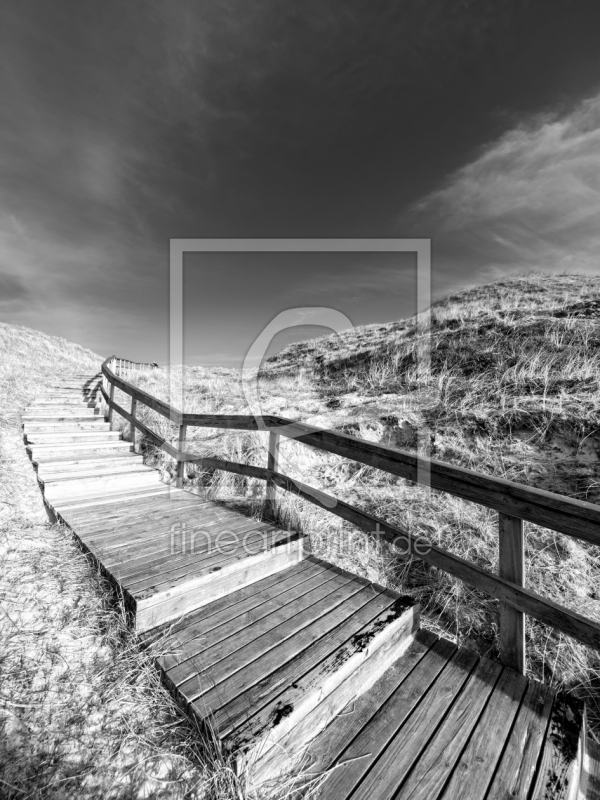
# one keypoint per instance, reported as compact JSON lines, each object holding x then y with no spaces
{"x":541,"y":608}
{"x":512,"y":567}
{"x":143,"y":397}
{"x":132,"y":423}
{"x":565,"y":514}
{"x":110,"y":407}
{"x":273,"y":466}
{"x":180,"y":469}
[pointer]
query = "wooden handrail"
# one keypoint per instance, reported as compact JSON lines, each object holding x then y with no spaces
{"x":514,"y":502}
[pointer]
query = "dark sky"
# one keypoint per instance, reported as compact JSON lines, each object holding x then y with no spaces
{"x":125,"y":124}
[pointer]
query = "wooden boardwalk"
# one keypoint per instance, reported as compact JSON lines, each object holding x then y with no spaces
{"x":298,"y":664}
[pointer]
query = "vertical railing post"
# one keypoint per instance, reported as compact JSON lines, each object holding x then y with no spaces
{"x":110,"y":410}
{"x":512,"y":567}
{"x":133,"y":428}
{"x":103,"y":401}
{"x":272,"y":464}
{"x":180,"y":469}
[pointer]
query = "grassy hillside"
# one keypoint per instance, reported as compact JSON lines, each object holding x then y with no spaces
{"x":504,"y":380}
{"x":82,"y":711}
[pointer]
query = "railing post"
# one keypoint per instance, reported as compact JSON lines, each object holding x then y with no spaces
{"x":102,"y":400}
{"x":273,"y":464}
{"x":180,"y":470}
{"x":512,"y":567}
{"x":133,"y":428}
{"x":110,"y":410}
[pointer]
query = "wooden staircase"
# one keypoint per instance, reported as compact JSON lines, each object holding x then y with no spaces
{"x":299,"y":665}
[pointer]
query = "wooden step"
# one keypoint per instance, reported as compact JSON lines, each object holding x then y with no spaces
{"x":49,"y":409}
{"x":38,"y":420}
{"x":68,"y":486}
{"x":94,"y":470}
{"x":60,"y":400}
{"x":96,"y":423}
{"x":66,"y":464}
{"x":99,"y":502}
{"x":440,"y":723}
{"x":163,"y":571}
{"x":82,"y":437}
{"x":41,"y":452}
{"x":262,"y":659}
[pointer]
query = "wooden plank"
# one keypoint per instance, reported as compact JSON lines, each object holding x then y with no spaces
{"x":570,"y":622}
{"x":516,"y":771}
{"x":159,"y":508}
{"x":136,"y":563}
{"x":406,"y":747}
{"x":431,"y":771}
{"x":178,"y":522}
{"x":273,"y":466}
{"x":174,"y":604}
{"x":264,"y":659}
{"x":174,"y":513}
{"x":221,"y":635}
{"x":473,"y":773}
{"x":153,"y":508}
{"x":420,"y":687}
{"x":225,"y":658}
{"x":132,"y":429}
{"x":156,"y":540}
{"x":180,"y":468}
{"x":361,"y":659}
{"x":206,"y":619}
{"x":162,"y":565}
{"x":170,"y":572}
{"x":566,"y":514}
{"x":106,"y":501}
{"x":314,"y":746}
{"x":562,"y":756}
{"x":512,"y":567}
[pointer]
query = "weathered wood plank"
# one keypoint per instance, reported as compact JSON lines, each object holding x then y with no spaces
{"x":273,"y":466}
{"x":361,"y":660}
{"x":193,"y":626}
{"x":205,"y":589}
{"x":222,"y":634}
{"x":315,"y":746}
{"x":541,"y":608}
{"x":404,"y":749}
{"x":225,"y":658}
{"x":562,"y":756}
{"x":514,"y":776}
{"x":293,"y":676}
{"x":512,"y":567}
{"x":168,"y":574}
{"x":568,"y":515}
{"x":474,"y":771}
{"x":431,"y":771}
{"x":443,"y":659}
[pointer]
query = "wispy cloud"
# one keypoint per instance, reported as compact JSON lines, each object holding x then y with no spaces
{"x":531,"y":200}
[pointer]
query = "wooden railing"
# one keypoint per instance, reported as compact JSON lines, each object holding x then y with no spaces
{"x":514,"y":502}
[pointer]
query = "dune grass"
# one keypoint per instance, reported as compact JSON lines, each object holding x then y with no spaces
{"x":503,"y":379}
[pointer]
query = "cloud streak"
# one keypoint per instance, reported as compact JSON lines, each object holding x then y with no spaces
{"x":531,"y":200}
